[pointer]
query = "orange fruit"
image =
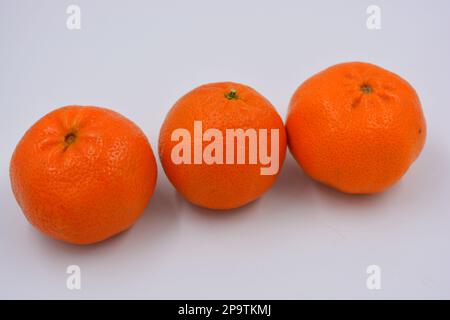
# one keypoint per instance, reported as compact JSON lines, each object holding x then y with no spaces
{"x":220,"y":106}
{"x":83,"y":174}
{"x":356,"y":127}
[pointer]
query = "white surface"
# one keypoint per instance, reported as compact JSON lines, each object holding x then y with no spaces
{"x":301,"y":240}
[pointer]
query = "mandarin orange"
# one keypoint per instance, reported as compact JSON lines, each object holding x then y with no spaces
{"x":83,"y":174}
{"x":356,"y":127}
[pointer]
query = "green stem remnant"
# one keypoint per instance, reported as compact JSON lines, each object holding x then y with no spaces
{"x":365,"y":88}
{"x":232,"y":95}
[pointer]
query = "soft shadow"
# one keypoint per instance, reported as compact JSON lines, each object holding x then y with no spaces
{"x":419,"y":181}
{"x":428,"y":176}
{"x":292,"y":185}
{"x":221,"y":215}
{"x":296,"y":187}
{"x":46,"y":243}
{"x":161,"y":214}
{"x":336,"y":197}
{"x":157,"y":219}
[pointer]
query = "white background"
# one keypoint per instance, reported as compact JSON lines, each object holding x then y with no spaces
{"x":301,"y":240}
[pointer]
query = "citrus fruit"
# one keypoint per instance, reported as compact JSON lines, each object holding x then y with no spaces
{"x":356,"y":127}
{"x":233,"y":174}
{"x":83,"y":174}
